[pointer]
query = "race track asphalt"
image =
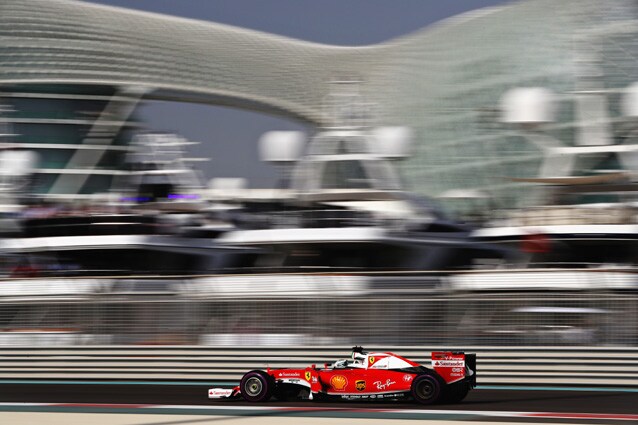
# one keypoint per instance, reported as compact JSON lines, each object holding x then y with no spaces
{"x":525,"y":400}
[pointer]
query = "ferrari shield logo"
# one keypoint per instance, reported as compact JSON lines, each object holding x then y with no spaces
{"x":308,"y":374}
{"x":360,"y":385}
{"x":371,"y":359}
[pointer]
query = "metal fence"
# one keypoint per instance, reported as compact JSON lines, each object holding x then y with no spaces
{"x":172,"y":313}
{"x":585,"y":366}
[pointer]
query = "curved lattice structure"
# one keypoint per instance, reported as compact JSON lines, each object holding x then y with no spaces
{"x":68,"y":41}
{"x":444,"y":81}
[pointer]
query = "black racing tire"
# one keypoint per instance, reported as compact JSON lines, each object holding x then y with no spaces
{"x":455,"y":393}
{"x":426,"y":389}
{"x":257,"y":386}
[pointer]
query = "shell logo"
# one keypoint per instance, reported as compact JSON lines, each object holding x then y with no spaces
{"x":338,"y":382}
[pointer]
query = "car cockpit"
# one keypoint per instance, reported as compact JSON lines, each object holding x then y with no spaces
{"x":356,"y":361}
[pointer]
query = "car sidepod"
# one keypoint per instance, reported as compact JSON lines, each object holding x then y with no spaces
{"x":366,"y":384}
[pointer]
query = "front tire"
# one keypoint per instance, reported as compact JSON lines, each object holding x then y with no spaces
{"x":426,"y":389}
{"x":257,"y":386}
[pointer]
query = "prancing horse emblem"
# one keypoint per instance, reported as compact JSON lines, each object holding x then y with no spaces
{"x":371,"y":359}
{"x":308,"y":374}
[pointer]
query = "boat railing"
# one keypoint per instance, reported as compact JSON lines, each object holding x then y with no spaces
{"x":316,"y":218}
{"x":569,"y":215}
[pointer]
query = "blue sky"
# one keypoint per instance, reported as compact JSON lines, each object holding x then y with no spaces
{"x":229,"y":136}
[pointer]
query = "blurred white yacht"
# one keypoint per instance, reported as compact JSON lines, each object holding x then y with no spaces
{"x":584,"y":200}
{"x":344,"y":207}
{"x":151,"y":224}
{"x":570,"y":232}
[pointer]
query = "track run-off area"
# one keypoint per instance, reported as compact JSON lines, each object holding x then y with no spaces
{"x":120,"y":402}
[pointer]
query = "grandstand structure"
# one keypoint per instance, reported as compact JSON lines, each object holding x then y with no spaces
{"x":72,"y":74}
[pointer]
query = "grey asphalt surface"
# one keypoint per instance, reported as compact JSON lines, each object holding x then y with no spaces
{"x":608,"y":402}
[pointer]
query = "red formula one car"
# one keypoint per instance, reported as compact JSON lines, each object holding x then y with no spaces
{"x":364,"y":376}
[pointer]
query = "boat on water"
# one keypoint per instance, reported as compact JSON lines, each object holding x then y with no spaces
{"x":592,"y":221}
{"x":150,"y":225}
{"x":341,"y":242}
{"x":581,"y":209}
{"x":148,"y":265}
{"x":345,"y":210}
{"x":341,"y":208}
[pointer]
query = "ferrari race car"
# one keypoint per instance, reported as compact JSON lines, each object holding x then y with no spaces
{"x":364,"y":376}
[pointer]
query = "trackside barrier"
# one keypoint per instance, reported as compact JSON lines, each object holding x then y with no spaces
{"x":586,"y":366}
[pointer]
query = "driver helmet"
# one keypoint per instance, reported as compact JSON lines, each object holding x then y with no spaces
{"x":358,"y":356}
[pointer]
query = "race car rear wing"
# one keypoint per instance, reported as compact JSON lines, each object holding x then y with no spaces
{"x":455,"y":366}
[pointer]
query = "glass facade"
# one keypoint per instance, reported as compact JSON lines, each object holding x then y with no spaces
{"x":58,"y":122}
{"x":445,"y":81}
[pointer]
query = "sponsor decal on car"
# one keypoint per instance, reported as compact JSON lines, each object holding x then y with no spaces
{"x":289,"y":374}
{"x":407,"y":378}
{"x":372,"y":396}
{"x":219,"y":392}
{"x":360,"y":385}
{"x":307,"y":375}
{"x":448,"y":363}
{"x":353,"y":397}
{"x":371,"y":360}
{"x":393,"y":395}
{"x":339,"y":382}
{"x":383,"y":385}
{"x":457,"y":369}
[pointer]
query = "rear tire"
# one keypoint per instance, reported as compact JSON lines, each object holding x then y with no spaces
{"x":455,"y":393}
{"x":257,"y":386}
{"x":426,"y":389}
